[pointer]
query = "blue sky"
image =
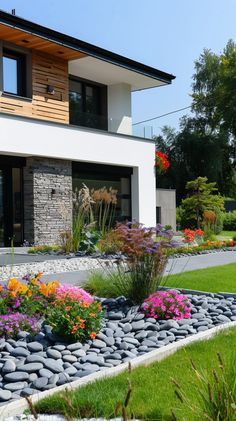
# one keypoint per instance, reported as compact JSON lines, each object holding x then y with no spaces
{"x":167,"y":35}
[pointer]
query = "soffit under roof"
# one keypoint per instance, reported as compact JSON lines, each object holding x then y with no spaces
{"x":105,"y":73}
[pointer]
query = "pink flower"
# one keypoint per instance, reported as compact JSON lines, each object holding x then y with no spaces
{"x":167,"y":305}
{"x":76,"y":293}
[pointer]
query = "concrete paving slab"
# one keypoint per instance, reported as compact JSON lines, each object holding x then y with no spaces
{"x":201,"y":261}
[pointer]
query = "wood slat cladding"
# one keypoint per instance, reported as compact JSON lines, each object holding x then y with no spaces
{"x":25,"y":39}
{"x":46,"y":70}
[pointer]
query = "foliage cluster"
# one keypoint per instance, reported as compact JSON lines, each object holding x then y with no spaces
{"x":229,"y":221}
{"x":71,"y":311}
{"x":140,"y":272}
{"x":201,"y":198}
{"x":205,"y":143}
{"x":44,"y":249}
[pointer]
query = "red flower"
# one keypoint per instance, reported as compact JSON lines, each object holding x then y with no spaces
{"x":161,"y":162}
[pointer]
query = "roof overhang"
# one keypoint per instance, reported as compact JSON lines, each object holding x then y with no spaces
{"x":109,"y":74}
{"x":81,"y":54}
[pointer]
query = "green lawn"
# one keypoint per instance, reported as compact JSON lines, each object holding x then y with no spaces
{"x":214,"y":279}
{"x":228,"y":234}
{"x":153,"y":395}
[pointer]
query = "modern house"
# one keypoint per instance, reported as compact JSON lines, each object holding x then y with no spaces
{"x":65,"y":118}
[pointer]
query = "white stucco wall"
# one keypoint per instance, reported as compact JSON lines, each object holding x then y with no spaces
{"x":119,"y":108}
{"x":27,"y":137}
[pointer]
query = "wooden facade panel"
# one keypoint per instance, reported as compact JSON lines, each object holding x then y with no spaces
{"x":46,"y":70}
{"x":25,"y":39}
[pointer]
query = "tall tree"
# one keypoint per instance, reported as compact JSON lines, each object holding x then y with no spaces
{"x":214,"y":88}
{"x":196,"y":150}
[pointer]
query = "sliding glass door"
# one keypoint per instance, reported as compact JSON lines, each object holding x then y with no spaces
{"x":1,"y":210}
{"x":11,"y":206}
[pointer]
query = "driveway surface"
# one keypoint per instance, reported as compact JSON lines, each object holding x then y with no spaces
{"x":178,"y":265}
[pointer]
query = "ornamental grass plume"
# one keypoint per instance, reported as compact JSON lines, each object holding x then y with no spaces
{"x":104,"y":206}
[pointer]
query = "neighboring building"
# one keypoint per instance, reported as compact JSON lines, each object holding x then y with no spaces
{"x":166,"y":207}
{"x":65,"y":118}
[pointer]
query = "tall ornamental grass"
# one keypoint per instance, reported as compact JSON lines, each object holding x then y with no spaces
{"x":138,"y":272}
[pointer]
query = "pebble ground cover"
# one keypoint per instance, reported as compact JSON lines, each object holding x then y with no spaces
{"x":29,"y":364}
{"x":153,"y":395}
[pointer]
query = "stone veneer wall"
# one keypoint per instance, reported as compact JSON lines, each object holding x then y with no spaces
{"x":47,"y":199}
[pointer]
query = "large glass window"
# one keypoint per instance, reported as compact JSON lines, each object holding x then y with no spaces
{"x":87,"y":104}
{"x":14,"y":73}
{"x":99,"y":176}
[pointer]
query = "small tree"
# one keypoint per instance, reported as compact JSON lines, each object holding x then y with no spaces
{"x":201,"y":199}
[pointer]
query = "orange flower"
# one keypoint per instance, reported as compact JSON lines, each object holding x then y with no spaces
{"x":39,"y":274}
{"x":68,"y":308}
{"x":92,"y":314}
{"x":29,"y":293}
{"x":13,"y":294}
{"x":93,"y":335}
{"x":75,"y":328}
{"x":84,"y":304}
{"x":13,"y":284}
{"x":82,"y":325}
{"x":1,"y":288}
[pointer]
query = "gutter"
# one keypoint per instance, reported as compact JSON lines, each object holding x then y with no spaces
{"x":32,"y":28}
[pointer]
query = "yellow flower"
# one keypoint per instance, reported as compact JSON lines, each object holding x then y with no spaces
{"x":34,"y":281}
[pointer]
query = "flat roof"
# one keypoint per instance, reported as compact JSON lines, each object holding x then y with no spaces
{"x":78,"y":48}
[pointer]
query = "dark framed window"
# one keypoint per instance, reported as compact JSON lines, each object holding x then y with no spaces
{"x":88,"y":104}
{"x":14,"y":72}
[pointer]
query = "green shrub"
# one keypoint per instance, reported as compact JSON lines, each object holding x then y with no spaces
{"x":43,"y":249}
{"x":229,"y":221}
{"x":75,"y":320}
{"x":201,"y":198}
{"x":101,"y":284}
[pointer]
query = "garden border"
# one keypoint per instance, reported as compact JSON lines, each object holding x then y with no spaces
{"x":18,"y":406}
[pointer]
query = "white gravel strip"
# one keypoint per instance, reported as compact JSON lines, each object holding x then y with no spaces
{"x":55,"y":418}
{"x":50,"y":267}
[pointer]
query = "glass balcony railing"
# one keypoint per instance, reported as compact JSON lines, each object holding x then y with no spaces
{"x":124,"y":126}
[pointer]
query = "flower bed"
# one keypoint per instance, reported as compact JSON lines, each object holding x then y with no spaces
{"x":32,"y":363}
{"x":71,"y":311}
{"x":207,"y":246}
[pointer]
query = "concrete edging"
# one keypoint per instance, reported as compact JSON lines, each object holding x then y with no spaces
{"x":17,"y":407}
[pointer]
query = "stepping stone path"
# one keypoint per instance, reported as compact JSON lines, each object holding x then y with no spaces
{"x":31,"y":364}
